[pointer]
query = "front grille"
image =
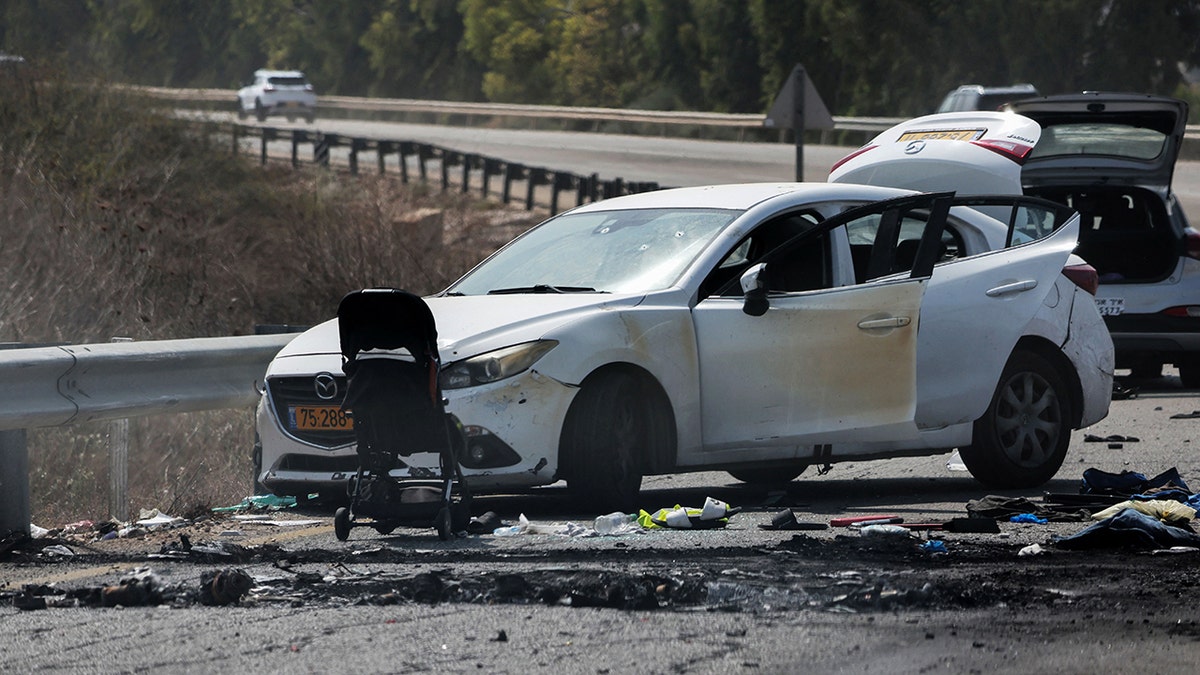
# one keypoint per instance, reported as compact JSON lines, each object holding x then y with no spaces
{"x":291,"y":391}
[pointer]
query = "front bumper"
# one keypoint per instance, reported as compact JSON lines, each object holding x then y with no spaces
{"x":516,"y":422}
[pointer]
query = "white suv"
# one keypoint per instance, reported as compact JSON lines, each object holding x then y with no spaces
{"x":278,"y":92}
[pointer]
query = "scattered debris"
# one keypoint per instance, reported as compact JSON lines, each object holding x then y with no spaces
{"x":1130,"y":529}
{"x":1186,"y":416}
{"x":714,"y":514}
{"x":786,"y":520}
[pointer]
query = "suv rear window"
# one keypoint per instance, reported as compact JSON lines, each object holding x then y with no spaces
{"x":287,"y":81}
{"x":1119,"y":140}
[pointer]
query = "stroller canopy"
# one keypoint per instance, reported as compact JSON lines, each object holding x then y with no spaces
{"x":386,"y":319}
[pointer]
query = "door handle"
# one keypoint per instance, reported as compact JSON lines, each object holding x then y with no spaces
{"x":1014,"y":287}
{"x":890,"y":322}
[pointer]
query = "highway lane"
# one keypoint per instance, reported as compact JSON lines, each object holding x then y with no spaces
{"x":667,"y":161}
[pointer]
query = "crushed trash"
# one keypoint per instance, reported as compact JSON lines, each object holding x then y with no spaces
{"x":955,"y":463}
{"x":934,"y":546}
{"x":714,"y":514}
{"x":886,"y":530}
{"x":523,"y":526}
{"x":1165,"y":510}
{"x":1031,"y":550}
{"x":1186,"y":416}
{"x":859,"y":521}
{"x":786,"y":520}
{"x":999,"y":507}
{"x":1113,"y":438}
{"x":153,"y":519}
{"x":224,"y":587}
{"x":616,"y":524}
{"x":271,"y":502}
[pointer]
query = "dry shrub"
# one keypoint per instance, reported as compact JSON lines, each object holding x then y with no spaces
{"x":116,"y":220}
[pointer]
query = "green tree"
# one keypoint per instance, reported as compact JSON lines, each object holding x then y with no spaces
{"x":513,"y":39}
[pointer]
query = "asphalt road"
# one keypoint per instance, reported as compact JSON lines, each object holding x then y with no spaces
{"x":1064,"y":612}
{"x":668,"y":161}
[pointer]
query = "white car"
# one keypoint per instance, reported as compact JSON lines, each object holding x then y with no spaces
{"x":1109,"y":156}
{"x":278,"y":92}
{"x":616,"y":340}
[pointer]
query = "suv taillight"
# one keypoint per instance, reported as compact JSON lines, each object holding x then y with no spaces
{"x":1017,"y":152}
{"x":1083,"y":276}
{"x":269,"y":87}
{"x":1191,"y":241}
{"x":1188,"y":311}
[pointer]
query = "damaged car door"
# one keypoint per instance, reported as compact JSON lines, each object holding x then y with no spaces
{"x":821,"y":361}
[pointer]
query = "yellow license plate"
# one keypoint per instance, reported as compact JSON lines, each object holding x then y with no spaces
{"x":941,"y":135}
{"x":319,"y":418}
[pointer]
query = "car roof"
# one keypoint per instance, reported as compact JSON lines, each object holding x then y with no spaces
{"x":278,"y":73}
{"x":741,"y":196}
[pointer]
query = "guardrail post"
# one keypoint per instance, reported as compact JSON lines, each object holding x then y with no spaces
{"x":14,"y":483}
{"x":448,"y":159}
{"x":536,"y":177}
{"x":118,"y":464}
{"x":406,"y":149}
{"x":236,"y":133}
{"x":356,"y":144}
{"x":490,"y":166}
{"x":382,"y":148}
{"x":321,"y":148}
{"x":267,"y":136}
{"x":511,"y":173}
{"x":560,"y":181}
{"x":298,"y":136}
{"x":423,"y":152}
{"x":468,"y":161}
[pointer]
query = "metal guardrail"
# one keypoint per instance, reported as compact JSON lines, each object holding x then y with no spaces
{"x":672,"y":117}
{"x":54,"y":386}
{"x":456,"y":168}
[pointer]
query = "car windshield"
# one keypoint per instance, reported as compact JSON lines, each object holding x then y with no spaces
{"x":627,"y":251}
{"x":288,"y":81}
{"x":1120,"y":140}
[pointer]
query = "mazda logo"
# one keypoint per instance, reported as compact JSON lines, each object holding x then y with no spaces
{"x":914,"y":147}
{"x":326,"y":386}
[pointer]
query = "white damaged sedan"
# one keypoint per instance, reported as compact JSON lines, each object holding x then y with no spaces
{"x":757,"y":329}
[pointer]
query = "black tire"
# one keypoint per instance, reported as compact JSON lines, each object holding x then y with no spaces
{"x":241,"y":112}
{"x":444,"y":524}
{"x":1189,"y":372}
{"x":1022,"y":438}
{"x":610,"y":433}
{"x":260,"y":112}
{"x":774,"y":476}
{"x":341,"y":523}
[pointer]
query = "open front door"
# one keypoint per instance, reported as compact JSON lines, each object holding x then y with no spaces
{"x":819,"y":366}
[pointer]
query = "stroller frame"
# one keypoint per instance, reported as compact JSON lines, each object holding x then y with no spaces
{"x":390,"y":356}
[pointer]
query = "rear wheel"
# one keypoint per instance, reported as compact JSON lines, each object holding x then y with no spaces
{"x":241,"y":112}
{"x":260,"y":111}
{"x":776,"y":476}
{"x":1022,"y":438}
{"x":615,"y":424}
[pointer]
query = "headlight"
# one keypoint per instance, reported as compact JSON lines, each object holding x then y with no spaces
{"x":494,"y":366}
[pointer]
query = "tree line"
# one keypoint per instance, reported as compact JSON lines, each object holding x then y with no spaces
{"x":866,"y":57}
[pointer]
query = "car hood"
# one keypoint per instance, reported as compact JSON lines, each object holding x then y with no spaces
{"x":1059,"y":159}
{"x":977,"y":152}
{"x":471,"y":325}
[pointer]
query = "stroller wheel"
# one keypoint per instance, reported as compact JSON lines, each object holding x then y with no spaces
{"x":341,"y":523}
{"x":443,"y":524}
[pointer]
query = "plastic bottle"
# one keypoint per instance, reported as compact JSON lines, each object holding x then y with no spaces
{"x":613,"y":523}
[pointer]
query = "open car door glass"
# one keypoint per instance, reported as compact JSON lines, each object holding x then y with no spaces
{"x":821,"y":365}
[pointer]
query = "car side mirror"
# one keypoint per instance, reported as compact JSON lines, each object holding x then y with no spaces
{"x":754,"y":290}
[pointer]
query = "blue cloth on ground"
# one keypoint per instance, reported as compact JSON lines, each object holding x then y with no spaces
{"x":1129,"y":529}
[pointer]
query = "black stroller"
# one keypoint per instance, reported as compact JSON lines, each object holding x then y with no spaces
{"x":390,"y":356}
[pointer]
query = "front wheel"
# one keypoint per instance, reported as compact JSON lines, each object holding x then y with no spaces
{"x":1022,"y":438}
{"x":612,"y":428}
{"x":260,"y":111}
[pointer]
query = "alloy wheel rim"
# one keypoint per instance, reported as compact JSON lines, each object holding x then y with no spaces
{"x":1029,"y":420}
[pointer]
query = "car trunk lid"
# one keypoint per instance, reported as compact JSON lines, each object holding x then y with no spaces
{"x":1096,"y":137}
